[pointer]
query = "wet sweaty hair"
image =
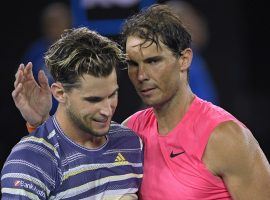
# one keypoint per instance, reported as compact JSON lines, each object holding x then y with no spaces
{"x":82,"y":51}
{"x":158,"y":24}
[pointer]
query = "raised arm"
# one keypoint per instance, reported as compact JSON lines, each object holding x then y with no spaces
{"x":33,"y":99}
{"x":234,"y":154}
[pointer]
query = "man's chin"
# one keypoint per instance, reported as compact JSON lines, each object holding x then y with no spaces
{"x":101,"y":133}
{"x":148,"y":102}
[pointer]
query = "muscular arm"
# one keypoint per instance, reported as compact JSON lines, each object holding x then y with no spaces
{"x":234,"y":154}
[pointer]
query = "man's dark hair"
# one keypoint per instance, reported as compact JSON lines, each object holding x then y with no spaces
{"x":158,"y":24}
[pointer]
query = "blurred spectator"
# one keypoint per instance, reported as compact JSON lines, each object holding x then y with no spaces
{"x":54,"y":19}
{"x":201,"y":81}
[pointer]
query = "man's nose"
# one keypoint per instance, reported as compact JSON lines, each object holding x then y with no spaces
{"x":106,"y":108}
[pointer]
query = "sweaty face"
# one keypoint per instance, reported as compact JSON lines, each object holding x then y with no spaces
{"x":90,"y":108}
{"x":154,"y":72}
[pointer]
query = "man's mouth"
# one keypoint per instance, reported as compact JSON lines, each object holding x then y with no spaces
{"x":147,"y":91}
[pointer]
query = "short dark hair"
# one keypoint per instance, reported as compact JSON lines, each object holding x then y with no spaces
{"x":158,"y":24}
{"x":82,"y":51}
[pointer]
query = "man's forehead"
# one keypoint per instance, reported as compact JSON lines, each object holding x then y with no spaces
{"x":139,"y":44}
{"x":134,"y":41}
{"x":99,"y":86}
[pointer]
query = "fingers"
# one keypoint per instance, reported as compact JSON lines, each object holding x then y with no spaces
{"x":43,"y":80}
{"x":20,"y":68}
{"x":19,"y":75}
{"x":15,"y":93}
{"x":28,"y":72}
{"x":23,"y":72}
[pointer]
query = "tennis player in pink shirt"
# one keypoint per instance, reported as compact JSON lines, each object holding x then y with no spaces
{"x":192,"y":148}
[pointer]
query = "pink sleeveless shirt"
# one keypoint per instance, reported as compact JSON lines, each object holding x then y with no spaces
{"x":173,"y":167}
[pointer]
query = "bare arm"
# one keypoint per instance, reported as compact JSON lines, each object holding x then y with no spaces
{"x":33,"y":100}
{"x":234,"y":154}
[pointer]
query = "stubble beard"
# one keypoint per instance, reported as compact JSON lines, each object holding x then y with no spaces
{"x":77,"y":121}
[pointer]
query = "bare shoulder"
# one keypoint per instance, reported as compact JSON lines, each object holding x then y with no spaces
{"x":234,"y":154}
{"x":125,"y":122}
{"x":230,"y":144}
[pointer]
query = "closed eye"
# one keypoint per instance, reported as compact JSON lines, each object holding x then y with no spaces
{"x":153,"y":60}
{"x":96,"y":99}
{"x":93,"y":99}
{"x":131,"y":63}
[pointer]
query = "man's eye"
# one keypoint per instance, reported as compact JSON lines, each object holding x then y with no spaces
{"x":153,"y":61}
{"x":131,"y":64}
{"x":93,"y":100}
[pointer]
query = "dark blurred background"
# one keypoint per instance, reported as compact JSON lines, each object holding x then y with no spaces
{"x":237,"y":56}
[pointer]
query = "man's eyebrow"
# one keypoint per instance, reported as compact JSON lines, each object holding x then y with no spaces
{"x":99,"y":98}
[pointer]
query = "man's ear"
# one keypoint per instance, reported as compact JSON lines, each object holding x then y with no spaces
{"x":185,"y":59}
{"x":58,"y":92}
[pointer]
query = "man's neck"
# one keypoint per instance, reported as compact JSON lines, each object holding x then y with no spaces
{"x":172,"y":112}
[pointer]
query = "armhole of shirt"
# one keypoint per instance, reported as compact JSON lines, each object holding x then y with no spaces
{"x":132,"y":122}
{"x":208,"y":132}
